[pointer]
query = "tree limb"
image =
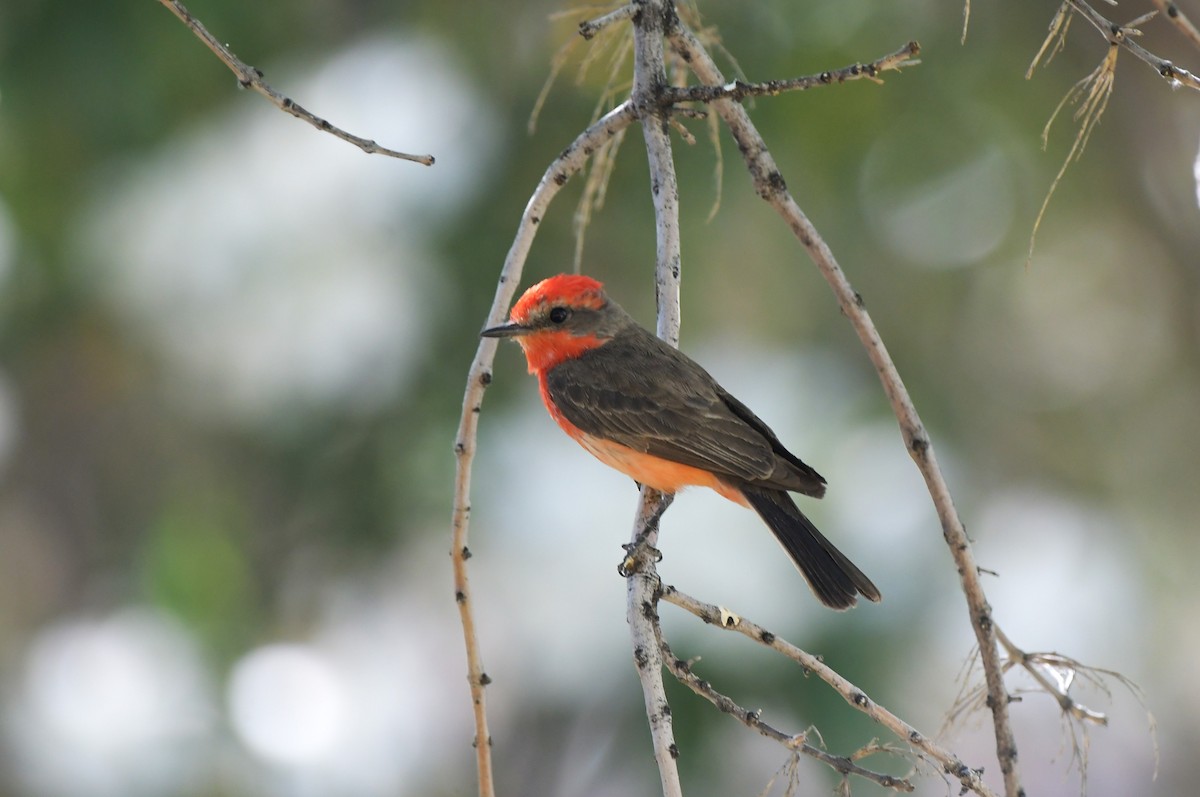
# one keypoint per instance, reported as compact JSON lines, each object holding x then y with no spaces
{"x":479,"y":377}
{"x":650,"y":20}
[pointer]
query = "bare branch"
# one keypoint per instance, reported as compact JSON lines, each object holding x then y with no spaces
{"x":1039,"y":665}
{"x":739,"y":90}
{"x":1123,"y":36}
{"x":479,"y":377}
{"x":642,"y":615}
{"x":753,"y":720}
{"x":715,"y":615}
{"x":251,"y":78}
{"x":770,"y":185}
{"x":1095,"y":89}
{"x":1177,"y":18}
{"x":590,"y":28}
{"x":1055,"y":675}
{"x":649,"y":77}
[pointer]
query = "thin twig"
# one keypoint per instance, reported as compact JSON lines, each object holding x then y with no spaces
{"x":1036,"y":663}
{"x":1055,"y":39}
{"x":715,"y":615}
{"x":479,"y":377}
{"x":753,"y":720}
{"x":251,"y":78}
{"x":556,"y":64}
{"x":739,"y":90}
{"x":595,"y":190}
{"x":1094,"y":89}
{"x":770,"y":185}
{"x":1055,"y":674}
{"x":649,"y":75}
{"x":591,"y":27}
{"x":1123,"y":35}
{"x":1177,"y":18}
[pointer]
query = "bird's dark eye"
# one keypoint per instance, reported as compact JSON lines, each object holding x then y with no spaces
{"x":559,"y":315}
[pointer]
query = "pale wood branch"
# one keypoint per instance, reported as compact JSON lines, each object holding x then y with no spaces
{"x":567,"y":164}
{"x":252,"y":78}
{"x":797,"y":742}
{"x":649,"y":76}
{"x":971,"y":779}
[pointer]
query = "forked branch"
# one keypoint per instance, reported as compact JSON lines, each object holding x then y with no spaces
{"x":1055,"y":675}
{"x":796,"y":742}
{"x":1092,"y":92}
{"x":1125,"y":36}
{"x":714,"y":615}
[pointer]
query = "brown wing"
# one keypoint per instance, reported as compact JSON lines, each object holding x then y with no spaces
{"x":642,"y":393}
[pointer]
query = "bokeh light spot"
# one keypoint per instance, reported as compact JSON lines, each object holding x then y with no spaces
{"x":287,"y":703}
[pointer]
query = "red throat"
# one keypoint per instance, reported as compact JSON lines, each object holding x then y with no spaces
{"x":546,"y":349}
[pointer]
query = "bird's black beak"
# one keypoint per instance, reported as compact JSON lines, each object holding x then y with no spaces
{"x":509,"y":330}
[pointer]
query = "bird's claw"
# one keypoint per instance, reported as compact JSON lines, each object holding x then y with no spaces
{"x":637,"y":555}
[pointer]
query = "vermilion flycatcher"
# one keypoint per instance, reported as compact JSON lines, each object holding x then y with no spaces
{"x":649,"y":411}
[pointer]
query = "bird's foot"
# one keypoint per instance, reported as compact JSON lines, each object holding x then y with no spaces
{"x":638,"y":554}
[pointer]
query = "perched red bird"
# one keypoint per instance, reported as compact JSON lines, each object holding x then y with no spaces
{"x":648,"y":410}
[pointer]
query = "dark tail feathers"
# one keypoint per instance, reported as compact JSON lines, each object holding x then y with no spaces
{"x":833,"y":577}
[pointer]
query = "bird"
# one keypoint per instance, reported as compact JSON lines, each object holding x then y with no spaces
{"x":648,"y":410}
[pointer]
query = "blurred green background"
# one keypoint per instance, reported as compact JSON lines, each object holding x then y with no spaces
{"x":233,"y":351}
